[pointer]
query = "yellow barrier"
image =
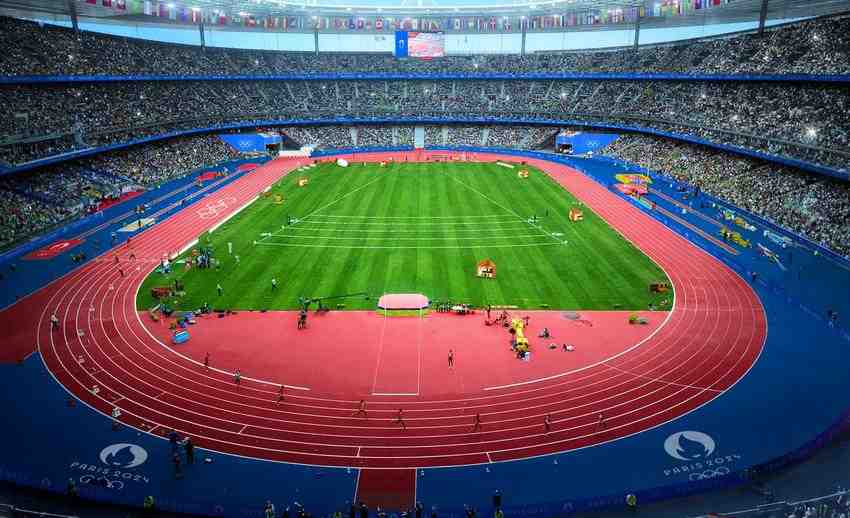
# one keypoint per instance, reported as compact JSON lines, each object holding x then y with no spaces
{"x":518,"y":326}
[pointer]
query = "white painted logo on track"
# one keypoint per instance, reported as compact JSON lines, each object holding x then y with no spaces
{"x":214,"y":208}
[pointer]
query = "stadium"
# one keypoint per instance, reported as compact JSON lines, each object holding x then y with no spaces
{"x":453,"y":258}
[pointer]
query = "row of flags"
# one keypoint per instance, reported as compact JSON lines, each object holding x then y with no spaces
{"x":182,"y":13}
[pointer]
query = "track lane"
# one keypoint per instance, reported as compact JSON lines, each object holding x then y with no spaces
{"x":663,"y":378}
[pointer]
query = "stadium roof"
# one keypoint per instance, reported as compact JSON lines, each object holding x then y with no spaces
{"x":727,"y":11}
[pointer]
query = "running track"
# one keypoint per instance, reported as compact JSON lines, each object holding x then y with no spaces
{"x":713,"y":336}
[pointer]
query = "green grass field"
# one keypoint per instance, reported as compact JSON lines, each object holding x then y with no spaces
{"x":418,"y":227}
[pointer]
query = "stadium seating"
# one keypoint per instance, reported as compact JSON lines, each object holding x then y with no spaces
{"x":40,"y":200}
{"x":816,"y":207}
{"x":816,"y":47}
{"x":801,"y":121}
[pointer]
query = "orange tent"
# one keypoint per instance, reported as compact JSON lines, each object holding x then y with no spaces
{"x":486,"y":268}
{"x":576,"y":215}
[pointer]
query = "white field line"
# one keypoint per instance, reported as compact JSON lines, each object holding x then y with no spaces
{"x":412,"y":223}
{"x":394,"y":231}
{"x":323,"y":207}
{"x":415,"y":238}
{"x":404,"y":217}
{"x":491,"y":200}
{"x":300,"y":245}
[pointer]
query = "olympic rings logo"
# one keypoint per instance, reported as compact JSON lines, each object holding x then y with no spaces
{"x":212,"y":209}
{"x":709,"y":474}
{"x":110,"y":484}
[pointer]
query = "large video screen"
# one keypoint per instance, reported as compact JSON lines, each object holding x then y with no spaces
{"x":420,"y":44}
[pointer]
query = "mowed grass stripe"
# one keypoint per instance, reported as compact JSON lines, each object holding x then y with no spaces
{"x":317,"y":281}
{"x":423,"y":206}
{"x":524,"y":282}
{"x":608,"y":247}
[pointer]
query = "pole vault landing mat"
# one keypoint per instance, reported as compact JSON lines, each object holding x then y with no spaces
{"x":397,"y":301}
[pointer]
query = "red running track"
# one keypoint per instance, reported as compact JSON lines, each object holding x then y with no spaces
{"x":712,"y":337}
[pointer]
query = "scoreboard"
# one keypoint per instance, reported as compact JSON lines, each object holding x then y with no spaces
{"x":419,"y":44}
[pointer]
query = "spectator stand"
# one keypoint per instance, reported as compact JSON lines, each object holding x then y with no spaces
{"x":524,"y":121}
{"x":95,"y":230}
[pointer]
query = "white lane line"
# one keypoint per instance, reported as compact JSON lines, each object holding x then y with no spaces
{"x":488,"y":454}
{"x":653,"y":378}
{"x":380,"y":353}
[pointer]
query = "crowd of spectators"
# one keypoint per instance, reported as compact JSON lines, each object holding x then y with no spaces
{"x":22,"y":216}
{"x":375,"y":136}
{"x":813,"y":206}
{"x":817,"y":46}
{"x":36,"y":201}
{"x":519,"y":137}
{"x":805,"y":121}
{"x":154,"y":164}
